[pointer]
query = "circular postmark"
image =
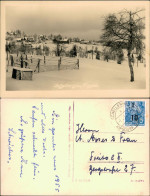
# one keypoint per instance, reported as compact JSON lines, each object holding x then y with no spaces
{"x":117,"y":114}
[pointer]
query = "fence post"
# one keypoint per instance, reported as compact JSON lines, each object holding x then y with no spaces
{"x":12,"y":60}
{"x":26,"y":64}
{"x":44,"y":59}
{"x":21,"y":61}
{"x":38,"y":65}
{"x":78,"y":63}
{"x":59,"y":62}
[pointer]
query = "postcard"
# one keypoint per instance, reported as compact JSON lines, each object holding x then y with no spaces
{"x":75,"y":147}
{"x":75,"y":49}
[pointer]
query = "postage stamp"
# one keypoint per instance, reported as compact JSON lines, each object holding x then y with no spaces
{"x":128,"y":115}
{"x":134,"y":113}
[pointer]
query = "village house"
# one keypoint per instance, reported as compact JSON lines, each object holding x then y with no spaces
{"x":62,"y":41}
{"x":30,"y":39}
{"x":84,"y":42}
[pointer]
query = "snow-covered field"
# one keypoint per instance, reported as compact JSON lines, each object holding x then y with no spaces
{"x":92,"y":75}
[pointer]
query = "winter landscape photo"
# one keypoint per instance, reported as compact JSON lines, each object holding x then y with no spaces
{"x":75,"y":46}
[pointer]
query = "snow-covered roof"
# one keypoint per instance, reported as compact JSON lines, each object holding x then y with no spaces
{"x":18,"y":39}
{"x":65,"y":39}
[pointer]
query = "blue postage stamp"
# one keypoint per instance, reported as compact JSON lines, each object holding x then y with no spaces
{"x":134,"y":113}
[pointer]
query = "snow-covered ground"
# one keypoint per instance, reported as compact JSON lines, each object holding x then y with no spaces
{"x":92,"y":75}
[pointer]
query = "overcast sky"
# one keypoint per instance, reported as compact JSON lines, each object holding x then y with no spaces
{"x":71,"y":19}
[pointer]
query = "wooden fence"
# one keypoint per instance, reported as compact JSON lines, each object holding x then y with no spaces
{"x":68,"y":63}
{"x":42,"y":63}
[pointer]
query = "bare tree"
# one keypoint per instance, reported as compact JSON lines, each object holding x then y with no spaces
{"x":124,"y":31}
